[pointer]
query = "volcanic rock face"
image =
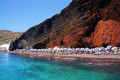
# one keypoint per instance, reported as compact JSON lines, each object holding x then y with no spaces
{"x":84,"y":23}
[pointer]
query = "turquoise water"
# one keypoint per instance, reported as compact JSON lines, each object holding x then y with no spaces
{"x":14,"y":67}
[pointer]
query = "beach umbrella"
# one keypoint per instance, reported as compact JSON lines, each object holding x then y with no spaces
{"x":35,"y":49}
{"x":109,"y":46}
{"x":106,"y":49}
{"x":23,"y":49}
{"x":93,"y":49}
{"x":76,"y":49}
{"x":99,"y":49}
{"x":69,"y":48}
{"x":17,"y":49}
{"x":114,"y":48}
{"x":86,"y":49}
{"x":102,"y":48}
{"x":81,"y":48}
{"x":39,"y":49}
{"x":31,"y":49}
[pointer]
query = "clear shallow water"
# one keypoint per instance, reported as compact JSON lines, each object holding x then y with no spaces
{"x":15,"y":67}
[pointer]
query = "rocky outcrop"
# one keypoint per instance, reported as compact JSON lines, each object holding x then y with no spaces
{"x":81,"y":24}
{"x":107,"y":33}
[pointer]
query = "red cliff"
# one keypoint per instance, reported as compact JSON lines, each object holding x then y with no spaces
{"x":84,"y":23}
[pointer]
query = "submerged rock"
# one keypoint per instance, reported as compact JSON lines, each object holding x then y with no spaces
{"x":80,"y":24}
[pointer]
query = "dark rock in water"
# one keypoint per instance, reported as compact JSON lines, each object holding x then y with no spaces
{"x":81,"y":24}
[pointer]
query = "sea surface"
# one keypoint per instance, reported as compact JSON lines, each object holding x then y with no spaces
{"x":16,"y":67}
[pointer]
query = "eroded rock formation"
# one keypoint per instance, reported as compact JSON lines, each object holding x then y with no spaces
{"x":84,"y":23}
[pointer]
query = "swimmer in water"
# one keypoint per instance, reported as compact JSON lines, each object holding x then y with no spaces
{"x":90,"y":63}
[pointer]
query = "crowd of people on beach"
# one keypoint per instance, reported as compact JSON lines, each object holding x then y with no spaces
{"x":109,"y":50}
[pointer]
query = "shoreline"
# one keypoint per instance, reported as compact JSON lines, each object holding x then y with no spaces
{"x":71,"y":57}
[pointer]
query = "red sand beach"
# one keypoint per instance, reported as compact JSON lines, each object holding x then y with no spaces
{"x":72,"y":57}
